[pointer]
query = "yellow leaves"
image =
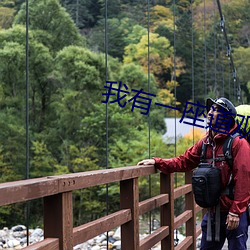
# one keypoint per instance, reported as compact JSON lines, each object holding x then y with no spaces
{"x":194,"y":134}
{"x":160,"y":53}
{"x":180,"y":66}
{"x":161,"y":12}
{"x":161,"y":16}
{"x":166,"y":96}
{"x":6,"y":17}
{"x":189,"y":139}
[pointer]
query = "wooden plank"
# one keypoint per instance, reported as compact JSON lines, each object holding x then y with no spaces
{"x":152,"y":203}
{"x":98,"y":177}
{"x":46,"y":244}
{"x":167,"y":210}
{"x":154,"y":238}
{"x":185,"y":244}
{"x":58,"y":219}
{"x":90,"y":230}
{"x":129,"y":196}
{"x":178,"y":192}
{"x":24,"y":190}
{"x":182,"y":218}
{"x":190,"y":205}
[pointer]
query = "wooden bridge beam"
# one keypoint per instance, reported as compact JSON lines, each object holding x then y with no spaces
{"x":129,"y":198}
{"x":167,"y":210}
{"x":58,"y":219}
{"x":190,"y":205}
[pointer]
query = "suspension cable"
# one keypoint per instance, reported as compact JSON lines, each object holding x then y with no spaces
{"x":174,"y":75}
{"x":229,"y":53}
{"x":221,"y":46}
{"x":27,"y":207}
{"x":215,"y":52}
{"x":229,"y":83}
{"x":149,"y":142}
{"x":107,"y":124}
{"x":192,"y":74}
{"x":175,"y":94}
{"x":205,"y":50}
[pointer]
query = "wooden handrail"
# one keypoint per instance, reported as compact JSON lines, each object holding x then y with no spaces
{"x":58,"y":208}
{"x":24,"y":190}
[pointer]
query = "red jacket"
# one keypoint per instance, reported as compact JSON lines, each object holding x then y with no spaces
{"x":241,"y":168}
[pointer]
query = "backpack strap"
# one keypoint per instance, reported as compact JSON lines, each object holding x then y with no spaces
{"x":203,"y":152}
{"x":227,"y":149}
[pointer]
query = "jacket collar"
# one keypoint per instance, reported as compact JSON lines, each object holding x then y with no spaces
{"x":219,"y":136}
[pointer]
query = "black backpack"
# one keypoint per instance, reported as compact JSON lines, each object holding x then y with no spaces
{"x":206,"y":179}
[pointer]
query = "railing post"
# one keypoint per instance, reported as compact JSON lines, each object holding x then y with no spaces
{"x":167,"y":210}
{"x":190,"y":205}
{"x":58,"y":219}
{"x":129,"y":198}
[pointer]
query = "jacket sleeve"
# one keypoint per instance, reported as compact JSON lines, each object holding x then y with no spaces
{"x":185,"y":162}
{"x":241,"y":175}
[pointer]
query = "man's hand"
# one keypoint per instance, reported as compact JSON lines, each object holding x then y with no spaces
{"x":232,"y":221}
{"x":146,"y":162}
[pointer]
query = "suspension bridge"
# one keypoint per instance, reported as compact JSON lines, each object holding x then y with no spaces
{"x":56,"y":192}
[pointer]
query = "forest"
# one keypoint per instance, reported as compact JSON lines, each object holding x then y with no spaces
{"x":55,"y":73}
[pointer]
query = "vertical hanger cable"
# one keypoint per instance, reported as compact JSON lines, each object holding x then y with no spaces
{"x":192,"y":37}
{"x":107,"y":124}
{"x":27,"y":207}
{"x":175,"y":94}
{"x":215,"y":52}
{"x":149,"y":142}
{"x":205,"y":51}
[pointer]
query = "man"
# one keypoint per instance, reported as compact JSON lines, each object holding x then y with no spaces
{"x":233,"y":212}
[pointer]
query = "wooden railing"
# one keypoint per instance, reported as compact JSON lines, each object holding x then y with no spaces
{"x":59,"y":232}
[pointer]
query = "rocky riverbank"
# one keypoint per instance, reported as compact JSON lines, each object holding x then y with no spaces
{"x":16,"y":238}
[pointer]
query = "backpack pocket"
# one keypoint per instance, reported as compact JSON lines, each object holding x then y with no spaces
{"x":206,"y":183}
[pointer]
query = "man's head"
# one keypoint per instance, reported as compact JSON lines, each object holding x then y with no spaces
{"x":220,"y":105}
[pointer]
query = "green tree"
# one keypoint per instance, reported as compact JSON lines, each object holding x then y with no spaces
{"x":77,"y":73}
{"x":13,"y":60}
{"x":12,"y":107}
{"x":135,"y":78}
{"x":117,"y":32}
{"x":42,"y":163}
{"x":53,"y":25}
{"x":241,"y":56}
{"x":13,"y":148}
{"x":84,"y":13}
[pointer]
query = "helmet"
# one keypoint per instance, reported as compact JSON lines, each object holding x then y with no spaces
{"x":223,"y":103}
